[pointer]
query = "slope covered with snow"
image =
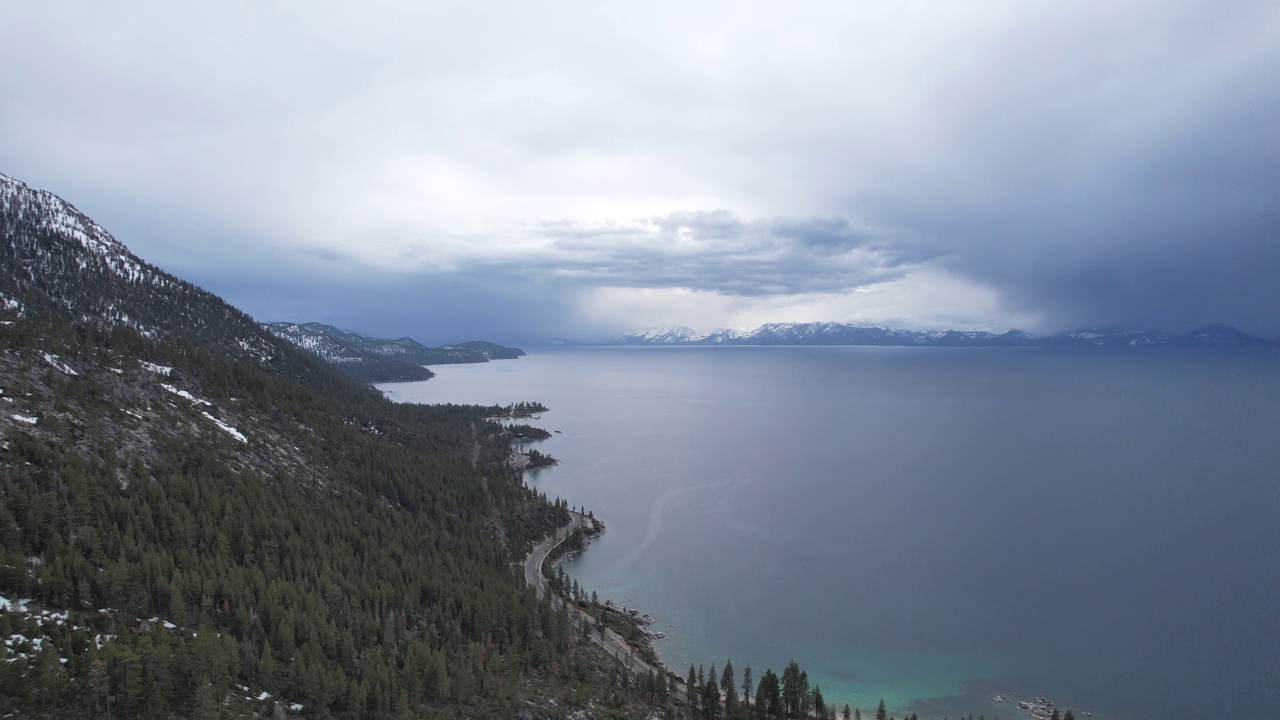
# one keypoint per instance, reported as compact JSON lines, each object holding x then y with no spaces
{"x":59,"y":260}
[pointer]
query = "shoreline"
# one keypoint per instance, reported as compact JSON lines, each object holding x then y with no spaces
{"x":597,"y":632}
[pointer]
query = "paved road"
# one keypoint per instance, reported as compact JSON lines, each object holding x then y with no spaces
{"x":533,"y":563}
{"x":611,"y":641}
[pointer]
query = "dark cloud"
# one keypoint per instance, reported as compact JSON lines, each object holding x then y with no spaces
{"x":1169,"y":233}
{"x":721,"y":251}
{"x":823,"y":235}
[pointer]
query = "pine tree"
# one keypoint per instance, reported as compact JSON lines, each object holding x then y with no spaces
{"x":711,"y":698}
{"x":690,"y":690}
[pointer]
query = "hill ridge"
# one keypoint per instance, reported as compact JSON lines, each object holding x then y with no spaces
{"x":372,"y":359}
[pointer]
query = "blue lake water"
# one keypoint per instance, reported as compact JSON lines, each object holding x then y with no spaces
{"x":931,"y":526}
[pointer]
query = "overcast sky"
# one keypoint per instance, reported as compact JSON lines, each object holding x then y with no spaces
{"x":520,"y":170}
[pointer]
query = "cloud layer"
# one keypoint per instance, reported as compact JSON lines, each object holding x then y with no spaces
{"x":577,"y":169}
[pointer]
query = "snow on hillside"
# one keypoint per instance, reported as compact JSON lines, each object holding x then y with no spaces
{"x":57,"y":363}
{"x":679,"y":334}
{"x":51,"y":214}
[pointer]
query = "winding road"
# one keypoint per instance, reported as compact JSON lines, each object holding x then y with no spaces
{"x":611,"y":641}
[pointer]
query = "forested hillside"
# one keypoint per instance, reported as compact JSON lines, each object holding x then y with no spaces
{"x":199,"y":520}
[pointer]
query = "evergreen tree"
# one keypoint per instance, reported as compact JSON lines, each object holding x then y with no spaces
{"x":791,"y":689}
{"x":769,"y":697}
{"x":711,"y":698}
{"x":690,"y":690}
{"x":729,"y":691}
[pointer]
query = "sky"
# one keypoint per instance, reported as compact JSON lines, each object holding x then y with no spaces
{"x":520,"y":171}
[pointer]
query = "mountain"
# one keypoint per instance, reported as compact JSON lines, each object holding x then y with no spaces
{"x":60,"y":262}
{"x":198,"y":519}
{"x":843,"y":334}
{"x":1101,"y":336}
{"x":486,"y":350}
{"x":661,"y":336}
{"x":370,"y":359}
{"x":1220,"y":336}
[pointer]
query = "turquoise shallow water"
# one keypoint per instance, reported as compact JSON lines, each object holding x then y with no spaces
{"x":930,"y":526}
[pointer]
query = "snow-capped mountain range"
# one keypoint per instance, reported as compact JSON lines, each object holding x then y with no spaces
{"x":831,"y":333}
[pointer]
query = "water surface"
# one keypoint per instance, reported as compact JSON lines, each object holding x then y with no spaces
{"x":930,"y":525}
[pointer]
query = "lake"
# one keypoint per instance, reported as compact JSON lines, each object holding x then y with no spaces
{"x":931,"y":526}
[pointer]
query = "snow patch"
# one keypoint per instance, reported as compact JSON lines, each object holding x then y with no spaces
{"x":229,"y":430}
{"x":26,"y":419}
{"x":54,"y":361}
{"x":8,"y":605}
{"x":157,"y":369}
{"x":186,"y":395}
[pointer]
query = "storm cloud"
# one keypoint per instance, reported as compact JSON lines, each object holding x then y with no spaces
{"x":449,"y":170}
{"x":722,"y":252}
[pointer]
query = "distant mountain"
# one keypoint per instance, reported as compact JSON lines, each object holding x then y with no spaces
{"x":488,"y":350}
{"x":1103,"y":336}
{"x":370,"y":359}
{"x":831,"y":333}
{"x":828,"y":333}
{"x":1221,"y":335}
{"x":661,"y":336}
